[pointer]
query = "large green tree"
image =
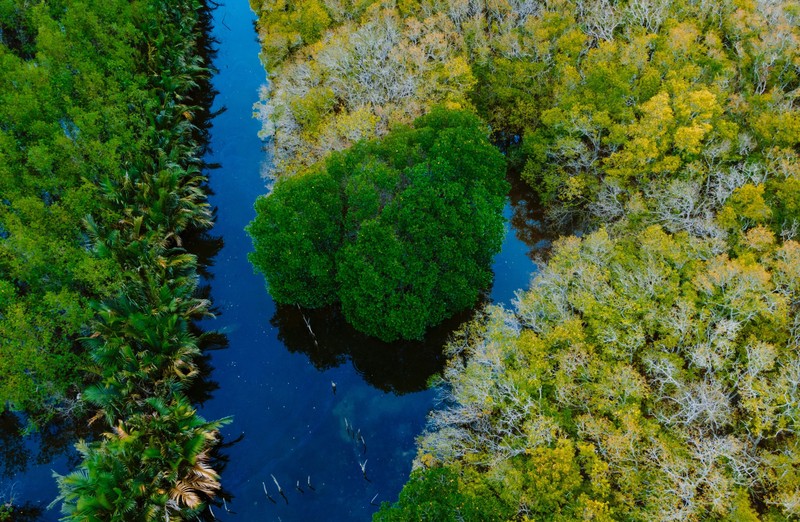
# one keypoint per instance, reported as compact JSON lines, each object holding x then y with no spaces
{"x":401,"y":231}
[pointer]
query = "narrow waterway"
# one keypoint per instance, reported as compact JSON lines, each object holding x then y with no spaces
{"x":275,"y":378}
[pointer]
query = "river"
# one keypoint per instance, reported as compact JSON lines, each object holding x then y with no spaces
{"x":274,"y":378}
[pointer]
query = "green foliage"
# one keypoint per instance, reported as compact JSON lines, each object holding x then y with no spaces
{"x":83,"y":135}
{"x":402,"y":231}
{"x":436,"y":495}
{"x":67,"y":79}
{"x":553,"y":476}
{"x":508,"y":96}
{"x":100,"y":175}
{"x":153,"y":466}
{"x":286,"y":25}
{"x":609,"y":99}
{"x":297,"y":234}
{"x":379,"y":64}
{"x":660,"y":122}
{"x":646,"y":375}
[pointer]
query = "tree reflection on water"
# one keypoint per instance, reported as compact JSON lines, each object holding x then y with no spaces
{"x":399,"y":367}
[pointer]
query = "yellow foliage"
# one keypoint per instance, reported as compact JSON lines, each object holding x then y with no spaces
{"x":635,"y":159}
{"x":427,"y":460}
{"x":530,"y":344}
{"x":748,"y":202}
{"x":657,"y":117}
{"x":655,"y":241}
{"x":697,"y":105}
{"x":533,"y":350}
{"x":726,"y":218}
{"x":456,"y":78}
{"x":552,"y":117}
{"x":689,"y":139}
{"x":779,"y":128}
{"x":760,"y":238}
{"x":574,"y":188}
{"x":570,"y":333}
{"x":572,"y":42}
{"x":666,"y":165}
{"x":742,"y":510}
{"x":407,"y":7}
{"x":682,"y":39}
{"x":357,"y":125}
{"x":596,"y":468}
{"x":311,"y":19}
{"x":592,"y":510}
{"x":554,"y":473}
{"x":310,"y":109}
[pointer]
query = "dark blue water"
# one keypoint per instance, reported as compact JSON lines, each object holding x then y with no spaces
{"x":27,"y":465}
{"x":275,"y":376}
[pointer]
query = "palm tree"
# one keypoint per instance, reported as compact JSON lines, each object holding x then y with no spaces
{"x":161,"y":455}
{"x":154,"y":462}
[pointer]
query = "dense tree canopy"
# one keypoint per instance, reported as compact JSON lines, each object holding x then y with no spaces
{"x":663,"y":120}
{"x":645,"y":378}
{"x":59,"y":138}
{"x":401,"y":230}
{"x":646,"y":107}
{"x":103,"y":112}
{"x":377,"y":65}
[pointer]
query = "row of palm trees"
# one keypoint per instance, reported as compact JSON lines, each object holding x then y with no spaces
{"x":154,"y":461}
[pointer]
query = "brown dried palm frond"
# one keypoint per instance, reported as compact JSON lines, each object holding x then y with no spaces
{"x":97,"y":416}
{"x":203,"y":468}
{"x":119,"y":431}
{"x":184,"y":493}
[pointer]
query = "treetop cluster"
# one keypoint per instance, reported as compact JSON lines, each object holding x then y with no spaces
{"x":401,"y":230}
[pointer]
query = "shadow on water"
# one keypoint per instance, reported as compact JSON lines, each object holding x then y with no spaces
{"x":405,"y":366}
{"x":30,"y":458}
{"x":201,"y":390}
{"x":58,"y":438}
{"x":14,"y":456}
{"x":18,"y":451}
{"x":528,"y":218}
{"x":205,"y":246}
{"x":400,"y":367}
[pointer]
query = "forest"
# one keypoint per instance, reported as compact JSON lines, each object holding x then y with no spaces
{"x":650,"y":370}
{"x":103,"y":117}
